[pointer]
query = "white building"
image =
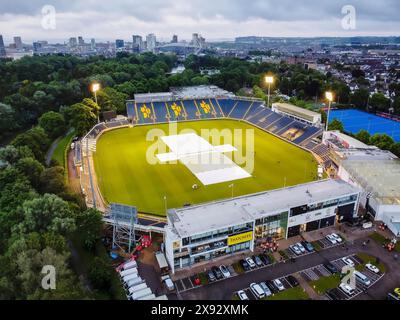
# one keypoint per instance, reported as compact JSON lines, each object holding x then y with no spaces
{"x":207,"y":231}
{"x":151,"y":42}
{"x":297,"y":113}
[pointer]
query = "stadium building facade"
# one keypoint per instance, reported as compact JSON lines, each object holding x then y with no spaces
{"x":208,"y":231}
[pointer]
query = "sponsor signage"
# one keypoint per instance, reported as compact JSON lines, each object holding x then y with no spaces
{"x":240,"y":238}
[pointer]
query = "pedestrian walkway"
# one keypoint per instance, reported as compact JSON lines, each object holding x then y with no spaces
{"x":310,"y":291}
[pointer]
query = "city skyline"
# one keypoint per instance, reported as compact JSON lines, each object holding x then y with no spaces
{"x":221,"y":20}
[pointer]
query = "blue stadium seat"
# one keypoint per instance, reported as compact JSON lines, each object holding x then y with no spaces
{"x":256,"y":109}
{"x":310,"y":131}
{"x":240,"y":109}
{"x":175,"y":110}
{"x":273,"y":117}
{"x":130,"y":110}
{"x":281,"y":124}
{"x":191,"y":109}
{"x":217,"y":108}
{"x":161,"y":111}
{"x":145,"y":112}
{"x":205,"y":108}
{"x":226,"y":105}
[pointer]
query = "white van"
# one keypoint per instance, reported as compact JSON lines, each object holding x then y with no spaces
{"x":130,"y":277}
{"x":129,"y":265}
{"x":362,"y":278}
{"x":149,"y":297}
{"x":128,"y":272}
{"x":140,"y":294}
{"x":257,"y":290}
{"x":133,"y":282}
{"x":138,"y":287}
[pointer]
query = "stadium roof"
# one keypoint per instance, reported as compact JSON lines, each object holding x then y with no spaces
{"x":203,"y":91}
{"x":226,"y":213}
{"x":379,"y":177}
{"x":352,"y":142}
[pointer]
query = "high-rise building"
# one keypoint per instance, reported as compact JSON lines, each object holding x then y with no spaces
{"x":37,"y":46}
{"x":174,"y":39}
{"x":72,"y":42}
{"x":137,"y":43}
{"x":2,"y":48}
{"x":81,"y":42}
{"x":198,"y":41}
{"x":93,"y":44}
{"x":18,"y":43}
{"x":151,"y":42}
{"x":119,"y":43}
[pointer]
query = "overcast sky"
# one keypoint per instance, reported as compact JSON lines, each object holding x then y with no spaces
{"x":214,"y":19}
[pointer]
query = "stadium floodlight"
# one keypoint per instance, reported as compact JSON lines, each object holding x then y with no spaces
{"x":329,"y":97}
{"x":95,"y":88}
{"x":269,"y":80}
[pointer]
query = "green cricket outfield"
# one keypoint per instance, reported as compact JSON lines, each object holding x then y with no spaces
{"x":125,"y":175}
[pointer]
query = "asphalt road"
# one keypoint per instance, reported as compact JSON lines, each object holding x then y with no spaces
{"x":223,"y":290}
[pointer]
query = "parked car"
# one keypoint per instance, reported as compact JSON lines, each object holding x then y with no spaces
{"x":372,"y":268}
{"x":266,"y":289}
{"x":258,"y":261}
{"x":279,"y":284}
{"x":300,"y":246}
{"x":271,"y":286}
{"x":211,"y":276}
{"x":265,"y":259}
{"x":308,"y":246}
{"x":257,"y":290}
{"x":346,"y":288}
{"x":337,"y":237}
{"x":362,"y":278}
{"x":334,"y":295}
{"x":348,"y":261}
{"x":242,"y":295}
{"x":250,"y":262}
{"x":292,"y":280}
{"x":295,"y":249}
{"x":331,"y":268}
{"x":331,"y":239}
{"x":225,"y":272}
{"x":244,"y":265}
{"x":218,"y":274}
{"x":169,"y":284}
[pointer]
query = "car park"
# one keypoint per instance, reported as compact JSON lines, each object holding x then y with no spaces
{"x":211,"y":276}
{"x":257,"y":290}
{"x":258,"y":261}
{"x":336,"y":237}
{"x":279,"y":284}
{"x":244,"y":265}
{"x":331,"y":267}
{"x":242,"y":295}
{"x":250,"y":262}
{"x":271,"y":286}
{"x":346,"y":288}
{"x":372,"y":268}
{"x":362,"y":278}
{"x":334,"y":294}
{"x":300,"y":246}
{"x":348,"y":261}
{"x":225,"y":271}
{"x":292,"y":280}
{"x":218,"y":274}
{"x":266,"y":289}
{"x":295,"y":249}
{"x":308,"y":246}
{"x":265,"y":259}
{"x":331,"y":239}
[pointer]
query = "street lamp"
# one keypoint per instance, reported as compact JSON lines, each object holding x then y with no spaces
{"x":329,"y":97}
{"x":95,"y":88}
{"x":269,"y":80}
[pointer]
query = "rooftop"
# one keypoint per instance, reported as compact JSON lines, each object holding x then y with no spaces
{"x":379,"y":177}
{"x":226,"y":213}
{"x":290,"y":107}
{"x":332,"y":136}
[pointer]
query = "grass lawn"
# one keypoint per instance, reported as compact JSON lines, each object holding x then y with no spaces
{"x":380,"y":239}
{"x":296,"y":293}
{"x":126,"y":177}
{"x":323,"y":284}
{"x":59,"y":151}
{"x":366,"y":258}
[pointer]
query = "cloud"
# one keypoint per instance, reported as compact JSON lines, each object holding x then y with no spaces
{"x":213,"y":18}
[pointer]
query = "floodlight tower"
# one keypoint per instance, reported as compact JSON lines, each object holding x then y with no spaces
{"x":95,"y":88}
{"x":269,"y":80}
{"x":329,"y":97}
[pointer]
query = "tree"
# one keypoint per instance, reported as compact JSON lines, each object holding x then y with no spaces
{"x":363,"y":136}
{"x":336,"y":125}
{"x":90,"y":225}
{"x":360,"y":98}
{"x":11,"y":154}
{"x":48,"y":213}
{"x":31,"y":168}
{"x":395,"y":149}
{"x":53,"y":123}
{"x":81,"y":117}
{"x":111,"y":99}
{"x":52,"y":180}
{"x":382,"y":141}
{"x":36,"y":140}
{"x":7,"y":119}
{"x":379,"y":102}
{"x":100,"y":273}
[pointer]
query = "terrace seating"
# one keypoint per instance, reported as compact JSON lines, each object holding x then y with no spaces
{"x":309,"y":133}
{"x":271,"y":119}
{"x":205,"y":108}
{"x":217,"y":108}
{"x":160,"y":111}
{"x":226,"y":105}
{"x":191,"y":109}
{"x":240,"y":109}
{"x":176,"y":111}
{"x":130,"y":109}
{"x":322,"y":151}
{"x":280,"y":125}
{"x":145,"y":113}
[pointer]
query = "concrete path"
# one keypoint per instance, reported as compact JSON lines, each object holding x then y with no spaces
{"x":50,"y":152}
